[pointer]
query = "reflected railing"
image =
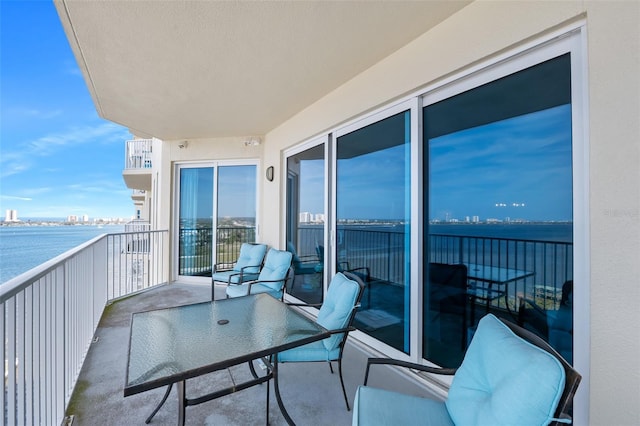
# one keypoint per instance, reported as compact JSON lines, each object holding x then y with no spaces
{"x":549,"y":264}
{"x":48,"y":316}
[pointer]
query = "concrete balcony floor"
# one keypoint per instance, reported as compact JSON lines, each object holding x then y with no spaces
{"x":311,"y":394}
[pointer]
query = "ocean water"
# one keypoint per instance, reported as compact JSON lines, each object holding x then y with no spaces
{"x":25,"y":247}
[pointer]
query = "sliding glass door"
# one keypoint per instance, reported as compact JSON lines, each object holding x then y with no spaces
{"x":216,"y":214}
{"x":499,"y":216}
{"x":373,"y":226}
{"x":305,"y":223}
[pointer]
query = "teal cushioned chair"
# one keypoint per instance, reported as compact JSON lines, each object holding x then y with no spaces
{"x":509,"y":376}
{"x":245,"y":268}
{"x":336,"y":314}
{"x":272,"y":279}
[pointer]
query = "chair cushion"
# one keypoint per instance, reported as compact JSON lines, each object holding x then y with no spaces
{"x":275,"y":267}
{"x":314,"y":351}
{"x":250,"y":255}
{"x":504,"y":380}
{"x":382,"y":407}
{"x":336,"y":308}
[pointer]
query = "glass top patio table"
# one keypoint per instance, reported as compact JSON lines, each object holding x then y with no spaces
{"x":495,"y":274}
{"x":171,"y":345}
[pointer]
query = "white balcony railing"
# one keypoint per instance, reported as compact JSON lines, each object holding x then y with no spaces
{"x":49,"y":314}
{"x":138,"y":154}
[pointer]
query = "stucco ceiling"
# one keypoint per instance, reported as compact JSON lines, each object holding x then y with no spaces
{"x":195,"y":69}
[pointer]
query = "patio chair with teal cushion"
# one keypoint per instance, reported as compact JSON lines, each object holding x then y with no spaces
{"x":509,"y":376}
{"x":336,"y":314}
{"x":245,"y":268}
{"x":273,"y":277}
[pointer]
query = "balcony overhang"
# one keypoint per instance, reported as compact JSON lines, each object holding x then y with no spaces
{"x":214,"y":69}
{"x":137,"y":179}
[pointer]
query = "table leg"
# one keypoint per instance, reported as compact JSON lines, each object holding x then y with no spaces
{"x":285,"y":414}
{"x":181,"y":402}
{"x":164,"y":399}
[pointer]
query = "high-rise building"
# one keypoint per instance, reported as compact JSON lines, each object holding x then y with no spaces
{"x":11,"y":215}
{"x":305,"y":217}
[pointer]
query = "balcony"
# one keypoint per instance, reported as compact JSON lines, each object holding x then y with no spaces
{"x":65,"y":325}
{"x":138,"y":164}
{"x":138,"y":195}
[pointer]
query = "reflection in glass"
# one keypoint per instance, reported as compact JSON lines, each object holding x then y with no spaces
{"x":236,"y":210}
{"x":373,"y":223}
{"x":499,"y":224}
{"x":196,"y":221}
{"x":305,"y":222}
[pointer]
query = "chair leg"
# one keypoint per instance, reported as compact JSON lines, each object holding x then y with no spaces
{"x":344,"y":391}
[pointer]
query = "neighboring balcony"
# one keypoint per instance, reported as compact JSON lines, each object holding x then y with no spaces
{"x":138,"y":195}
{"x":138,"y":164}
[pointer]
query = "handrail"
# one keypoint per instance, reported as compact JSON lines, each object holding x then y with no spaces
{"x":48,"y":317}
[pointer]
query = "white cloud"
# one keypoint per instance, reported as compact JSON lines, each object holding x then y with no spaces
{"x":18,"y":161}
{"x":14,"y":197}
{"x":35,"y":113}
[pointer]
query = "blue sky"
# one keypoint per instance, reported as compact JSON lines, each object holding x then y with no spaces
{"x":57,"y":157}
{"x":517,"y":168}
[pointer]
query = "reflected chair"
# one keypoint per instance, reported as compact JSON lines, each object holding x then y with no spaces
{"x":245,"y":268}
{"x":509,"y":376}
{"x":553,"y":325}
{"x":361,"y":272}
{"x":302,"y":265}
{"x":447,"y":312}
{"x":336,"y":314}
{"x":273,"y":277}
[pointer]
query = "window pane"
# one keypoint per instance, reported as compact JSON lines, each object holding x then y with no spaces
{"x":196,"y":209}
{"x":236,"y":210}
{"x":305,"y":222}
{"x":373,"y":224}
{"x":499,"y":224}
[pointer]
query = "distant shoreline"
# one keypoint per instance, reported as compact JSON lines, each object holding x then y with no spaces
{"x":62,"y":222}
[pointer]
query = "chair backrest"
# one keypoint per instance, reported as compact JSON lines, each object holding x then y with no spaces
{"x":510,"y":376}
{"x":448,"y":283}
{"x":275,"y":268}
{"x":251,"y":255}
{"x":339,"y":306}
{"x":572,"y":377}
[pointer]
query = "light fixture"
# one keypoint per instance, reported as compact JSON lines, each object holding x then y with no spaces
{"x":252,"y":141}
{"x":183,"y":144}
{"x":269,"y":173}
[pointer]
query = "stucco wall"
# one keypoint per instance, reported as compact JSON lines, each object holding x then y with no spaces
{"x":484,"y":29}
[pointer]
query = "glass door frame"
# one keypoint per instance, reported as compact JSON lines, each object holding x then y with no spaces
{"x":311,"y":143}
{"x":573,"y":41}
{"x":214,"y":165}
{"x":415,"y":293}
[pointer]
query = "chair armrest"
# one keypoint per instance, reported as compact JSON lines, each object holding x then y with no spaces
{"x":231,"y":277}
{"x":406,"y":364}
